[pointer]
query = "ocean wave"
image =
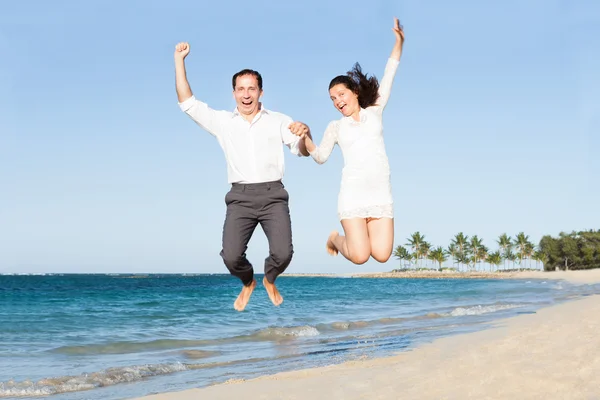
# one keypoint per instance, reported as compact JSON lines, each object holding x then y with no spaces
{"x":29,"y":274}
{"x":198,"y":354}
{"x":286,"y":332}
{"x":128,"y":347}
{"x":347,"y":325}
{"x":108,"y":377}
{"x":479,"y":309}
{"x":273,"y":333}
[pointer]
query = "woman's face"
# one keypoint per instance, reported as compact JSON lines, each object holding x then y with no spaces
{"x":344,"y":99}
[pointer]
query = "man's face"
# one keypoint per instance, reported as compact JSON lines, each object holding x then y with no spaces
{"x":247,"y":94}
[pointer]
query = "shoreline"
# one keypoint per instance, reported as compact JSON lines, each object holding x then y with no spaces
{"x":408,"y":275}
{"x":574,"y":277}
{"x":549,"y":354}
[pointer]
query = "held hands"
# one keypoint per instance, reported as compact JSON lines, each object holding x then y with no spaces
{"x":182,"y":49}
{"x":299,"y":129}
{"x":303,"y":131}
{"x":398,"y":31}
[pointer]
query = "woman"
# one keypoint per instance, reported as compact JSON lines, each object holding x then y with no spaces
{"x":365,"y":205}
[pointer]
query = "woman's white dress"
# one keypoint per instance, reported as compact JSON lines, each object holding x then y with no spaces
{"x":366,"y":190}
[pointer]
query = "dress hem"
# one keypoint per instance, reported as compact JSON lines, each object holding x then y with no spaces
{"x":378,"y":211}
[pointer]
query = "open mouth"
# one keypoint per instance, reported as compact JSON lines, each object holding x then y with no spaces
{"x":247,"y":102}
{"x":341,"y":107}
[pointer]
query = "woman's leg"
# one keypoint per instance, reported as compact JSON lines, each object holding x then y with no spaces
{"x":355,"y":244}
{"x":381,"y":237}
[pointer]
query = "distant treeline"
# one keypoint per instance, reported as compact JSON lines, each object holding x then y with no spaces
{"x":570,"y":251}
{"x":575,"y":250}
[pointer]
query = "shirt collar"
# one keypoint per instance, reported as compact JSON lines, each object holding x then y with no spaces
{"x":262,"y":110}
{"x":362,"y":115}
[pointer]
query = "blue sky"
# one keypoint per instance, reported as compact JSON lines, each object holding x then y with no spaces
{"x":493,"y":124}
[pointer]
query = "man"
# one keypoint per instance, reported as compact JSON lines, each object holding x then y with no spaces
{"x":251,"y":138}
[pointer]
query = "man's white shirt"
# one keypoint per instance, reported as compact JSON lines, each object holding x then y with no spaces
{"x":253,"y":150}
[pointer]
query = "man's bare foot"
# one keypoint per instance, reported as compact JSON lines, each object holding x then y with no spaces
{"x":331,"y":249}
{"x":242,"y":300}
{"x":272,"y":291}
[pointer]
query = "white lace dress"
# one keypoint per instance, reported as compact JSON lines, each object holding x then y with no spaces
{"x":366,"y":190}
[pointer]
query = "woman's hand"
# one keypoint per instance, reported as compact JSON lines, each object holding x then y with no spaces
{"x":303,"y":131}
{"x":299,"y":129}
{"x":398,"y":31}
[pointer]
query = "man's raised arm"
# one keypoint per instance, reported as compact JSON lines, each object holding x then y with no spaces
{"x":184,"y":91}
{"x":198,"y":111}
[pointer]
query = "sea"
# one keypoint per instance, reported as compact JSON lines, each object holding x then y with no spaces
{"x":119,"y":336}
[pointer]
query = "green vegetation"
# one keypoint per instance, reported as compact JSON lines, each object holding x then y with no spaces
{"x":576,"y":250}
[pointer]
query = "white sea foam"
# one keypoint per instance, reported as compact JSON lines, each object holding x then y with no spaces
{"x":108,"y":377}
{"x":281,"y":332}
{"x":479,"y":310}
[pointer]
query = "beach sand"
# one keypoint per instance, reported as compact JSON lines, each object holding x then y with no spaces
{"x":553,"y":354}
{"x":576,"y":277}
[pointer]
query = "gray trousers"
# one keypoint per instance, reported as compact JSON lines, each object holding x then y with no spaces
{"x":247,"y":206}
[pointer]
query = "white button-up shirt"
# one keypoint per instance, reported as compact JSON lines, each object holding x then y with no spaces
{"x":253,"y":150}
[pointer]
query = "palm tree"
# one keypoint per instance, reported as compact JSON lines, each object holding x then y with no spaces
{"x":415,"y":241}
{"x":439,"y":255}
{"x":505,"y":243}
{"x":402,"y":254}
{"x":462,"y":258}
{"x":473,"y":246}
{"x":495,"y":258}
{"x":521,"y":244}
{"x":415,"y":259}
{"x":452,"y":251}
{"x":510,"y":256}
{"x":481,"y":254}
{"x":528,"y":251}
{"x":471,"y":252}
{"x":540,"y":256}
{"x":425,"y":250}
{"x":460,"y":242}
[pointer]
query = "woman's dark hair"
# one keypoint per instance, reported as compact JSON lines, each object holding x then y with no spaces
{"x":367,"y":88}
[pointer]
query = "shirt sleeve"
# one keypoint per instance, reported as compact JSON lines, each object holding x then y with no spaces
{"x":385,"y":86}
{"x":322,"y":152}
{"x":207,"y":118}
{"x":288,"y":138}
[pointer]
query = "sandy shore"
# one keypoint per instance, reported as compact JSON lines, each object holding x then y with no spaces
{"x":590,"y":276}
{"x":577,"y":277}
{"x":411,"y":274}
{"x":553,"y":354}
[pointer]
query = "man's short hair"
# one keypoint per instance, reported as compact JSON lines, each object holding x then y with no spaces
{"x":247,"y":72}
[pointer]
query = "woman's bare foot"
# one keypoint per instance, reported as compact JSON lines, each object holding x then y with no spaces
{"x":272,"y":291}
{"x":331,"y":249}
{"x":244,"y":296}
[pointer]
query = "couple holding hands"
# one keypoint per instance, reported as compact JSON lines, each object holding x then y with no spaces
{"x":252,"y":139}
